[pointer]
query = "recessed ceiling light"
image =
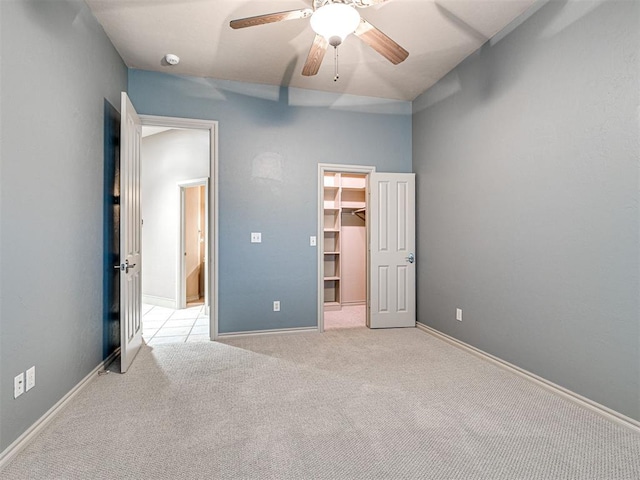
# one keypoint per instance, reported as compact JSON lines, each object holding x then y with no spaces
{"x":172,"y":59}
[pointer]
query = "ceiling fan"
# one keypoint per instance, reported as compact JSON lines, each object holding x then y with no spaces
{"x":333,"y":21}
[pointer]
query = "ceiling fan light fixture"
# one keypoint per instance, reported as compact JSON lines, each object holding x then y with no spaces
{"x":335,"y":21}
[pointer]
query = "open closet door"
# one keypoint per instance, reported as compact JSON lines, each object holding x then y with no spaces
{"x":392,"y":271}
{"x":130,"y":235}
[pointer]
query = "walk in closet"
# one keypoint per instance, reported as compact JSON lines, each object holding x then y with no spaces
{"x":345,"y":240}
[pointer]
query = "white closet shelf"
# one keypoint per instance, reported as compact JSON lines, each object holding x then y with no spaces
{"x":332,"y":278}
{"x":331,"y":230}
{"x":332,"y":253}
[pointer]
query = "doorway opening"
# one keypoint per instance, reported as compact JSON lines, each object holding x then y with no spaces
{"x":193,"y":276}
{"x":178,"y":230}
{"x":343,"y":294}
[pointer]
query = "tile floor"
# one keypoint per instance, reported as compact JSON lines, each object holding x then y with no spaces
{"x":162,"y":325}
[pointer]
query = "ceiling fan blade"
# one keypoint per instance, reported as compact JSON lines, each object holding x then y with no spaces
{"x":316,"y":54}
{"x":270,"y":18}
{"x":380,"y":42}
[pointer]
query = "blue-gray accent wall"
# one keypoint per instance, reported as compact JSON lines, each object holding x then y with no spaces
{"x":526,"y":158}
{"x":58,"y":68}
{"x":271,"y":140}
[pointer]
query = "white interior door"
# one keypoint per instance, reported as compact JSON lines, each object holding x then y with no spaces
{"x":130,"y":238}
{"x":392,"y":271}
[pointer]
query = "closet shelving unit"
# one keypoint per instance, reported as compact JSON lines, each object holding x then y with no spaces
{"x":343,"y":192}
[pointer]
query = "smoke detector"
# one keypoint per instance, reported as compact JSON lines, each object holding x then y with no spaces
{"x":172,"y":59}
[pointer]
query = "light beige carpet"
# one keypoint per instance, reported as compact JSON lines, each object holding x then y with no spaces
{"x":346,"y":404}
{"x":349,"y":316}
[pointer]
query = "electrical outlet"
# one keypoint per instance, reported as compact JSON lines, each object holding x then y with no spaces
{"x":312,"y":241}
{"x":276,"y":305}
{"x":18,"y":385}
{"x":256,"y":237}
{"x":31,"y":378}
{"x":459,"y":314}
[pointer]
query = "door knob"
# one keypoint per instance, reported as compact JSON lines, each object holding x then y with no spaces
{"x":411,"y":258}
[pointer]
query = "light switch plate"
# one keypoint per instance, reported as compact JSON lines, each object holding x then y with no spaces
{"x":312,"y":241}
{"x":31,"y":378}
{"x":459,"y":314}
{"x":256,"y":237}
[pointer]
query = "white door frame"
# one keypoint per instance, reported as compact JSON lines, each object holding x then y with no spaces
{"x":334,"y":167}
{"x":181,"y":284}
{"x":212,"y":204}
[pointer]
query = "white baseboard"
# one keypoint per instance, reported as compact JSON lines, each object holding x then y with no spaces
{"x":160,"y":301}
{"x":609,"y":414}
{"x":23,"y":440}
{"x":268,"y":332}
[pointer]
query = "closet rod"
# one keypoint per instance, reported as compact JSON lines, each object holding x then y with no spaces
{"x":358,"y":212}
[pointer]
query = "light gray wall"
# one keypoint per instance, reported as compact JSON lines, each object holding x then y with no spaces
{"x":270,"y":143}
{"x":167,"y":158}
{"x":57,"y":68}
{"x":528,"y":189}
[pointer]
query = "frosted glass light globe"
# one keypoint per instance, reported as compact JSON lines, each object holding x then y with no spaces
{"x":335,"y":21}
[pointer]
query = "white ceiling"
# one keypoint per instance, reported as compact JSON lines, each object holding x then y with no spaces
{"x":438,"y":34}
